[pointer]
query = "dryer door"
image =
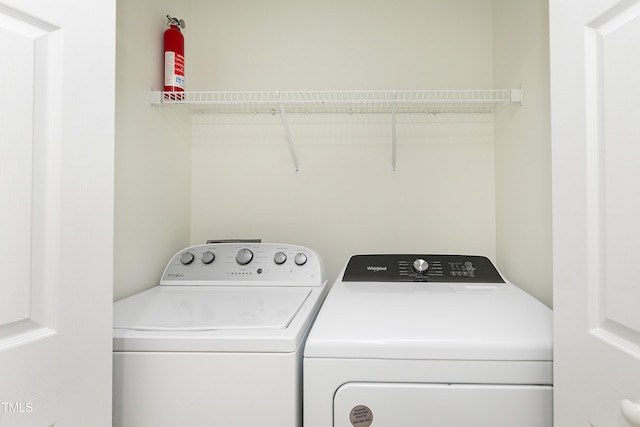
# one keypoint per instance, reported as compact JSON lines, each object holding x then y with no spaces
{"x":452,"y":405}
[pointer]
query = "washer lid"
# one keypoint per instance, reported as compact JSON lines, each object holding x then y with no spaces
{"x":193,"y":308}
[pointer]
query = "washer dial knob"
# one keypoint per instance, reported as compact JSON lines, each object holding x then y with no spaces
{"x":187,"y":258}
{"x":280,"y":258}
{"x":208,"y":257}
{"x":244,"y":256}
{"x":300,"y":258}
{"x":420,"y":265}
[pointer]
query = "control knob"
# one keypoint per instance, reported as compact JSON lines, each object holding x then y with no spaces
{"x":187,"y":258}
{"x":420,"y":266}
{"x":300,"y":258}
{"x":280,"y":258}
{"x":208,"y":257}
{"x":244,"y":256}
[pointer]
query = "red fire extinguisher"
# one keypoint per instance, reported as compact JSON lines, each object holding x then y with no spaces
{"x":174,"y":56}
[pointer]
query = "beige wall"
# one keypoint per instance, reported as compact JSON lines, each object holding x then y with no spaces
{"x":523,"y":146}
{"x":336,"y":44}
{"x":226,"y":176}
{"x":152,"y":196}
{"x":345,"y":199}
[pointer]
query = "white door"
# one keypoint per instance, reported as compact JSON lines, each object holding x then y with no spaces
{"x":56,"y":211}
{"x":595,"y":81}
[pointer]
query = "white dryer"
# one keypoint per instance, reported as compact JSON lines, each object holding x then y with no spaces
{"x":219,"y":341}
{"x":428,"y":340}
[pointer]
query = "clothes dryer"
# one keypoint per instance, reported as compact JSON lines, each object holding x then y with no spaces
{"x":428,"y":340}
{"x":219,"y":341}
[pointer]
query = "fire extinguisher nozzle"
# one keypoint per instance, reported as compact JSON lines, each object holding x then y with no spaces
{"x":175,"y":21}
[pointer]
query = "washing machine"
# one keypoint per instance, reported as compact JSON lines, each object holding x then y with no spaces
{"x":417,"y":340}
{"x":219,"y":341}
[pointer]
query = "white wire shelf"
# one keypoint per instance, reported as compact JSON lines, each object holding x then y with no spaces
{"x":391,"y":102}
{"x":401,"y":101}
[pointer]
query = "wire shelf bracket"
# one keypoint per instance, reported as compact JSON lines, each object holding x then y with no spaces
{"x":287,"y":129}
{"x":394,"y":110}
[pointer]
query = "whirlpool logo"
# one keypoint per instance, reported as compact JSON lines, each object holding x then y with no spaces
{"x":376,"y":268}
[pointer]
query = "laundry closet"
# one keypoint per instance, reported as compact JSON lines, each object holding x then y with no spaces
{"x":338,"y":179}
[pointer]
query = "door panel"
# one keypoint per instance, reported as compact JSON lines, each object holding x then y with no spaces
{"x":28,"y":184}
{"x":618,"y":159}
{"x":56,"y":223}
{"x":595,"y":76}
{"x":614,"y":194}
{"x":15,"y":173}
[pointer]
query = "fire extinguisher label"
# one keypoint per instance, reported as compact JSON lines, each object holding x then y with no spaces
{"x":174,"y":70}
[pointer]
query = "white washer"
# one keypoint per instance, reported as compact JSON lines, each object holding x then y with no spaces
{"x":219,"y":341}
{"x":428,"y":340}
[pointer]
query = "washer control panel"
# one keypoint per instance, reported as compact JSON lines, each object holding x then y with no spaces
{"x":421,"y":268}
{"x":221,"y":263}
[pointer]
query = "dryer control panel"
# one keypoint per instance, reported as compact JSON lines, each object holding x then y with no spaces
{"x":421,"y":268}
{"x":268,"y":264}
